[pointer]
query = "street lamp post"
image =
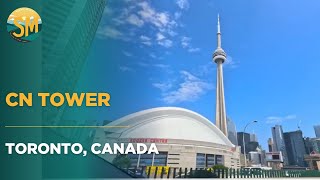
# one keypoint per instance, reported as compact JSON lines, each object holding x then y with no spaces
{"x":244,"y":145}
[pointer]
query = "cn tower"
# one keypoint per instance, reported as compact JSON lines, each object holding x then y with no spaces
{"x":219,"y":57}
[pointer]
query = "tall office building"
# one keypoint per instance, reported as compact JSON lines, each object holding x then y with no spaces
{"x":70,"y":27}
{"x":295,"y":148}
{"x":312,"y":145}
{"x":232,"y":131}
{"x":316,"y":144}
{"x":270,"y":145}
{"x":253,"y":138}
{"x":317,"y":130}
{"x":255,"y":158}
{"x":219,"y":57}
{"x":278,"y":142}
{"x":252,"y":146}
{"x":246,"y":136}
{"x":309,"y":147}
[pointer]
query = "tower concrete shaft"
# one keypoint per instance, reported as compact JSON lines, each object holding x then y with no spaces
{"x":219,"y":57}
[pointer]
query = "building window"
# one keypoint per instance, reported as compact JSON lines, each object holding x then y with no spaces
{"x":148,"y":159}
{"x":210,"y":160}
{"x":219,"y":159}
{"x":201,"y":160}
{"x":145,"y":160}
{"x":160,"y":159}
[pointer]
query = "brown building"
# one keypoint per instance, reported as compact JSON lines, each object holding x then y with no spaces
{"x":313,"y":160}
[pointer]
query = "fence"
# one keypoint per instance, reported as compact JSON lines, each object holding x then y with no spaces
{"x":169,"y":172}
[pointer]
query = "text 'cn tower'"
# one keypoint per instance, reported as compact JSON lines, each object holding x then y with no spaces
{"x":219,"y":57}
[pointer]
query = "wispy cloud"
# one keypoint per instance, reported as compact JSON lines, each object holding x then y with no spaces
{"x":135,"y":20}
{"x":183,"y":4}
{"x":231,"y":63}
{"x":110,"y":32}
{"x":126,"y":69}
{"x":189,"y":89}
{"x":128,"y":54}
{"x":160,"y":36}
{"x":177,"y":15}
{"x":193,"y":50}
{"x":165,"y":43}
{"x":186,"y":44}
{"x":145,"y":40}
{"x":280,"y":119}
{"x":107,"y":11}
{"x":137,"y":15}
{"x":162,"y":86}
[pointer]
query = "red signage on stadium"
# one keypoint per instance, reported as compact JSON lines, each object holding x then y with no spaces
{"x":148,"y":140}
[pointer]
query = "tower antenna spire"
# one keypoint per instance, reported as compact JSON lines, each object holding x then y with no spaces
{"x":218,"y":33}
{"x":218,"y":23}
{"x":219,"y":57}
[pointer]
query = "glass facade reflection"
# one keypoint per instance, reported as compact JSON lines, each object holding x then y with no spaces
{"x":144,"y":160}
{"x":160,"y":159}
{"x":208,"y":160}
{"x":201,"y":160}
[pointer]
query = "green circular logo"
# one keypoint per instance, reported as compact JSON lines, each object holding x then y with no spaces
{"x":24,"y":25}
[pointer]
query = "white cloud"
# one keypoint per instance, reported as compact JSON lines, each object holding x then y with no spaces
{"x":183,"y":4}
{"x":142,"y":14}
{"x":163,"y":66}
{"x":127,"y":54}
{"x":110,"y":32}
{"x":207,"y":69}
{"x":107,"y":11}
{"x":194,"y":50}
{"x":185,"y":42}
{"x":231,"y":63}
{"x":177,"y":15}
{"x":165,"y":43}
{"x":162,"y":86}
{"x":126,"y":69}
{"x":171,"y":32}
{"x":148,"y":43}
{"x":152,"y":55}
{"x":280,"y":119}
{"x":190,"y":89}
{"x":163,"y":18}
{"x":160,"y":36}
{"x":146,"y":40}
{"x":149,"y":14}
{"x":135,"y":20}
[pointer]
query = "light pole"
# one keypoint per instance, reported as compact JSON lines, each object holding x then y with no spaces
{"x":244,"y":145}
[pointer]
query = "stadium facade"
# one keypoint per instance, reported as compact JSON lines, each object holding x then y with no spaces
{"x":183,"y":138}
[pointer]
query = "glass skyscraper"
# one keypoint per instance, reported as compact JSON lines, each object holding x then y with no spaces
{"x":317,"y":130}
{"x":70,"y":27}
{"x":278,"y":142}
{"x":246,"y":137}
{"x":295,"y":148}
{"x":232,"y":131}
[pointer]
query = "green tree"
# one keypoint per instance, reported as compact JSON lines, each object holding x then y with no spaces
{"x":218,"y":166}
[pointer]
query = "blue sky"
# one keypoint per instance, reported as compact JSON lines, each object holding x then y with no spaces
{"x":159,"y":53}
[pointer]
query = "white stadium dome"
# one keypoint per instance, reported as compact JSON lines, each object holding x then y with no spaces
{"x":169,"y":123}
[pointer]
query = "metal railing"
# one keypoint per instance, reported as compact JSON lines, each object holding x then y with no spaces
{"x":170,"y":172}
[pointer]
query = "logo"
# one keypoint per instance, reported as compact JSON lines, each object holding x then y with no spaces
{"x":24,"y":25}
